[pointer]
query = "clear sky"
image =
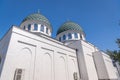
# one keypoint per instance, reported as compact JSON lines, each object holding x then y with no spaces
{"x":98,"y":18}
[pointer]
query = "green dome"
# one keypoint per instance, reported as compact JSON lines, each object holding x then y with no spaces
{"x":37,"y":17}
{"x":69,"y":26}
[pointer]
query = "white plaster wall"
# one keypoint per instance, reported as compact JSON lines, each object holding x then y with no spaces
{"x":4,"y":43}
{"x":19,"y":55}
{"x":100,"y":65}
{"x":88,"y":49}
{"x":43,"y":58}
{"x":80,"y":58}
{"x":105,"y":68}
{"x":61,"y":67}
{"x":109,"y":66}
{"x":73,"y":67}
{"x":87,"y":69}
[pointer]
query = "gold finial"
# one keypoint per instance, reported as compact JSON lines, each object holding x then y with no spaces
{"x":68,"y":19}
{"x":38,"y":10}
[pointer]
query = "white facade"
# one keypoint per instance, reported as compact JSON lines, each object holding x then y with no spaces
{"x":104,"y":66}
{"x":29,"y":53}
{"x":41,"y":57}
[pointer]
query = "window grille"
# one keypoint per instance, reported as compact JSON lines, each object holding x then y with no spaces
{"x":75,"y":76}
{"x":19,"y":74}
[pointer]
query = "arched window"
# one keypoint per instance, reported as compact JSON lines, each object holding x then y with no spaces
{"x":29,"y":27}
{"x":69,"y":36}
{"x":64,"y":37}
{"x":59,"y":38}
{"x":35,"y":27}
{"x":47,"y":30}
{"x":75,"y":35}
{"x":42,"y":28}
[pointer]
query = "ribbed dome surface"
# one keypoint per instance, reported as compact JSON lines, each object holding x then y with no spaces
{"x":37,"y":17}
{"x":69,"y":26}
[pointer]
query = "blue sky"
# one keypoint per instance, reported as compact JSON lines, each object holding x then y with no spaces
{"x":98,"y":18}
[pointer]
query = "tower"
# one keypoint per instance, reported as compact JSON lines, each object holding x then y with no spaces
{"x":72,"y":35}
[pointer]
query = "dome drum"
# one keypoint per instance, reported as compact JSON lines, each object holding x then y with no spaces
{"x":70,"y":31}
{"x":26,"y":23}
{"x":37,"y":23}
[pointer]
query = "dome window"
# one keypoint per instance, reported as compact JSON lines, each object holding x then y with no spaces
{"x":29,"y":27}
{"x":35,"y":27}
{"x":47,"y":30}
{"x":75,"y":35}
{"x":69,"y":36}
{"x":64,"y":37}
{"x":42,"y":28}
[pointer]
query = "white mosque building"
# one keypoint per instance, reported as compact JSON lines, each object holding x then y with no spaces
{"x":28,"y":52}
